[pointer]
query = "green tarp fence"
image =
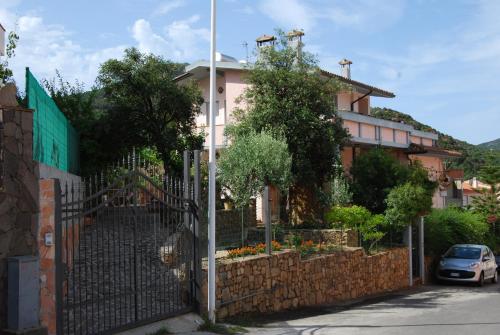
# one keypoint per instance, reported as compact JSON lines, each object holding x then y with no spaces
{"x":55,"y":141}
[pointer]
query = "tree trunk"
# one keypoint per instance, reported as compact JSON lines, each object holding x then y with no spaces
{"x":304,"y":205}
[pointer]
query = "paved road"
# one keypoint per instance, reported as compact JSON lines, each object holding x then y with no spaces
{"x":433,"y":310}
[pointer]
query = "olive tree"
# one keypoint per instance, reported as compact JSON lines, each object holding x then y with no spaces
{"x":251,"y":162}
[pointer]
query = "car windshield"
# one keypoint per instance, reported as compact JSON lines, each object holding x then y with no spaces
{"x":463,"y":252}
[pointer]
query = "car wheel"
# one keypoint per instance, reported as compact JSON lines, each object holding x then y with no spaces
{"x":480,"y":282}
{"x":494,"y":280}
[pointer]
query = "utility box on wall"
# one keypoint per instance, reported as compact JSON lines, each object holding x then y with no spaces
{"x":23,"y":297}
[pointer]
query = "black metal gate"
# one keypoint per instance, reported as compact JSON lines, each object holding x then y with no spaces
{"x":125,"y":249}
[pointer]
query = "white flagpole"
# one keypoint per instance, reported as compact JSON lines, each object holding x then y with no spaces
{"x":211,"y":176}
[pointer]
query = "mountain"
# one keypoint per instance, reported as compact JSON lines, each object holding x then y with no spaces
{"x":495,"y":144}
{"x":473,"y":156}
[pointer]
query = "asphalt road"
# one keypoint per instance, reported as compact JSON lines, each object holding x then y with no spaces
{"x":431,"y":310}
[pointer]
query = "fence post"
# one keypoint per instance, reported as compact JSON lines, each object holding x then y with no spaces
{"x":186,"y":184}
{"x":267,"y":218}
{"x":58,"y":255}
{"x":410,"y":254}
{"x":196,"y":229}
{"x":421,"y":250}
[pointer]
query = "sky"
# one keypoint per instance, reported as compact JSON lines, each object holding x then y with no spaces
{"x":440,"y":57}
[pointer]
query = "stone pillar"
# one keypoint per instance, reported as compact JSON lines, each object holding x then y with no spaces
{"x":47,"y":255}
{"x":18,"y":189}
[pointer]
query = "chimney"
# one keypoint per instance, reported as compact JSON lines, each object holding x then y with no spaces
{"x":345,"y":67}
{"x":295,"y":40}
{"x":2,"y":40}
{"x":265,"y":41}
{"x":474,"y":182}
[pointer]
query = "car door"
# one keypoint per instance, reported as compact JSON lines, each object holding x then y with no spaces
{"x":489,"y":263}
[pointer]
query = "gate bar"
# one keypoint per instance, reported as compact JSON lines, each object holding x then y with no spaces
{"x":58,"y":255}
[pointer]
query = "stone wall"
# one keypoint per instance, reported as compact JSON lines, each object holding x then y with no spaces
{"x":18,"y":192}
{"x":282,"y":281}
{"x":334,"y":236}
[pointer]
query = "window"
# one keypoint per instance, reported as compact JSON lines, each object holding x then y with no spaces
{"x":377,"y":133}
{"x":394,"y":135}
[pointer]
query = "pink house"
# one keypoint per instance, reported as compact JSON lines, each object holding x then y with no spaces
{"x":405,"y":142}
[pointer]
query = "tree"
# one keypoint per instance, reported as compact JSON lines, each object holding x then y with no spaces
{"x":288,"y":95}
{"x":147,"y":108}
{"x":488,"y":202}
{"x":369,"y":226}
{"x":374,"y":174}
{"x":81,"y":109}
{"x":10,"y":51}
{"x":405,"y":203}
{"x":251,"y":162}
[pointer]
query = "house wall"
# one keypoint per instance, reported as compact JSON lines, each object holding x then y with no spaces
{"x":435,"y":167}
{"x":344,"y":100}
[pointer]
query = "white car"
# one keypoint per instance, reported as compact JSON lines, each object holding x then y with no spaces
{"x":468,"y":263}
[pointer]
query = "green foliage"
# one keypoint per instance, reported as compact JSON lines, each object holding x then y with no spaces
{"x":371,"y":227}
{"x":488,"y":202}
{"x":147,"y":108}
{"x":374,"y":174}
{"x":253,"y":161}
{"x":10,"y":51}
{"x":288,"y":95}
{"x":495,"y":144}
{"x":338,"y":192}
{"x":373,"y":230}
{"x":405,"y":203}
{"x":79,"y":107}
{"x":348,"y":217}
{"x":473,"y":156}
{"x":445,"y":227}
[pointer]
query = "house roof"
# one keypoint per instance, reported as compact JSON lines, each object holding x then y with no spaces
{"x":201,"y":68}
{"x":417,"y":149}
{"x":365,"y":87}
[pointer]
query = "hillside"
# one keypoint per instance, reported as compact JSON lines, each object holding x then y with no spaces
{"x":495,"y":144}
{"x":473,"y":156}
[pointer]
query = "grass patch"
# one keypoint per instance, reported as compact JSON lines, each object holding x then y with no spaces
{"x":218,"y":328}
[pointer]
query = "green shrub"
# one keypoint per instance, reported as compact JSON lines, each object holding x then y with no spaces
{"x":405,"y":203}
{"x":449,"y":226}
{"x":371,"y":227}
{"x":348,"y":217}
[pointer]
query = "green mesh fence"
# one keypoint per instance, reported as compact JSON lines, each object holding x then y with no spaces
{"x":55,"y":141}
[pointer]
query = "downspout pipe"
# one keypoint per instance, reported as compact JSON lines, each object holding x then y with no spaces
{"x":361,"y":97}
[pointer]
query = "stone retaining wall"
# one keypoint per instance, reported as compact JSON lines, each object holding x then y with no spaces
{"x":263,"y":284}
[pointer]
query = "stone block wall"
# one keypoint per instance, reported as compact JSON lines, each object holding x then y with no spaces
{"x":282,"y":281}
{"x":18,"y":192}
{"x":334,"y":236}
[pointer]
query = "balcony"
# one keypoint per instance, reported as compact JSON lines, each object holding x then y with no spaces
{"x":365,"y":129}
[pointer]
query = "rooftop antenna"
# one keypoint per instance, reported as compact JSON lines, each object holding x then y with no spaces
{"x":245,"y":45}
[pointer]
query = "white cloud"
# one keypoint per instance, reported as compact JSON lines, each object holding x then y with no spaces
{"x":168,"y":6}
{"x":289,"y":13}
{"x":179,"y":40}
{"x":363,"y":15}
{"x":45,"y":48}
